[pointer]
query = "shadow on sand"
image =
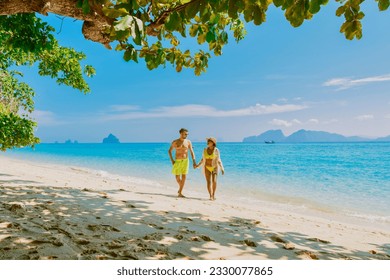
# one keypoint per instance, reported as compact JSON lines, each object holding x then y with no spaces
{"x":64,"y":223}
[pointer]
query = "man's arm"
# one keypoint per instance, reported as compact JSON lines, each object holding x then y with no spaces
{"x":170,"y":152}
{"x":192,"y":153}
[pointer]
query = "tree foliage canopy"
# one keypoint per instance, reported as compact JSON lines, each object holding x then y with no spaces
{"x":26,"y":40}
{"x":150,"y":30}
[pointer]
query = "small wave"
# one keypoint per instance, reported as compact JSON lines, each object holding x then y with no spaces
{"x":370,"y":217}
{"x":127,"y":179}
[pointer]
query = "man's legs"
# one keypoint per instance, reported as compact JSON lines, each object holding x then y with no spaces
{"x":181,"y":181}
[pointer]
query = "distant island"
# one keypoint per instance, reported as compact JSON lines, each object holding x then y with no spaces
{"x":111,"y":139}
{"x":304,"y":136}
{"x":69,"y":141}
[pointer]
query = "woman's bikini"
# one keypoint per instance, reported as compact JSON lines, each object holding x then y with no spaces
{"x":208,"y":156}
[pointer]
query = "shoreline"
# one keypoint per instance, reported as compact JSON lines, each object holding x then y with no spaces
{"x":196,"y":186}
{"x":334,"y":192}
{"x":66,"y":212}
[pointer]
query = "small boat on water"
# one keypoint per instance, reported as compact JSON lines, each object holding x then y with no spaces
{"x":269,"y":142}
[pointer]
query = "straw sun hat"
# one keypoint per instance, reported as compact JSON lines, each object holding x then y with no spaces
{"x":212,"y":139}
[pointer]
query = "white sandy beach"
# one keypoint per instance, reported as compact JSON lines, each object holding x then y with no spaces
{"x":62,"y":212}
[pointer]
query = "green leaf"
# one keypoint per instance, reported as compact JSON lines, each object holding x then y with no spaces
{"x":224,"y":37}
{"x":79,"y":3}
{"x":278,"y":3}
{"x":194,"y":30}
{"x":210,"y":37}
{"x":214,"y":18}
{"x":258,"y":15}
{"x":124,"y":23}
{"x":383,"y":4}
{"x":340,"y":10}
{"x":128,"y":55}
{"x":315,"y":6}
{"x":192,"y":9}
{"x":115,"y":13}
{"x":233,"y":9}
{"x":173,"y":22}
{"x":134,"y":24}
{"x":138,"y":34}
{"x":86,"y":8}
{"x":201,"y":38}
{"x":248,"y":15}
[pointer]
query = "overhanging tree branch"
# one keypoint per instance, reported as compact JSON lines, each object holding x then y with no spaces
{"x":154,"y":26}
{"x":95,"y":22}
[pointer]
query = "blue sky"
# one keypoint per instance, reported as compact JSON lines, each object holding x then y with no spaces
{"x":278,"y":77}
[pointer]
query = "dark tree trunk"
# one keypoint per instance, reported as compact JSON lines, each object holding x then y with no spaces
{"x":95,"y":22}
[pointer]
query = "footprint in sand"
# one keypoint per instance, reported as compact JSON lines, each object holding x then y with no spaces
{"x":241,"y":222}
{"x":15,"y":207}
{"x":114,"y":245}
{"x":89,"y":252}
{"x":154,"y":236}
{"x":289,"y":246}
{"x":184,"y":230}
{"x":249,"y":243}
{"x":103,"y":195}
{"x":156,"y":226}
{"x":39,"y":242}
{"x":278,"y":239}
{"x":178,"y":236}
{"x":307,"y":254}
{"x":206,"y":238}
{"x":178,"y":255}
{"x":127,"y":255}
{"x":318,"y":240}
{"x":102,"y":228}
{"x":195,"y":239}
{"x":81,"y":241}
{"x":57,"y":243}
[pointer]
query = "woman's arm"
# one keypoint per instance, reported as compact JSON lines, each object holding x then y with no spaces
{"x":201,"y":161}
{"x":220,"y":162}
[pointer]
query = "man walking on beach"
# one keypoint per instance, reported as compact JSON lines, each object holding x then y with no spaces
{"x":181,"y":162}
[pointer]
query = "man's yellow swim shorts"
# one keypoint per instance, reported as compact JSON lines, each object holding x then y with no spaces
{"x":181,"y":167}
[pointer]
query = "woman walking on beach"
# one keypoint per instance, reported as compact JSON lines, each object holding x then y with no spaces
{"x":211,"y":162}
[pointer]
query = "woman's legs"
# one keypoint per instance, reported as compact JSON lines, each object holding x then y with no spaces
{"x":214,"y":181}
{"x":208,"y":180}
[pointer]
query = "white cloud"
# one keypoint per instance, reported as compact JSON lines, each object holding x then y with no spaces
{"x":46,"y":118}
{"x":295,"y":121}
{"x":284,"y":100}
{"x":195,"y":110}
{"x":346,"y":83}
{"x":279,"y":122}
{"x":364,"y":117}
{"x":330,"y":121}
{"x":387,"y":116}
{"x":314,"y":121}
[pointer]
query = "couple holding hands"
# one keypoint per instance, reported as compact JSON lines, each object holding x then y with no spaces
{"x":210,"y":162}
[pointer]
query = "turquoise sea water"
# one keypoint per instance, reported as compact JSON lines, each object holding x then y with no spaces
{"x":350,"y":177}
